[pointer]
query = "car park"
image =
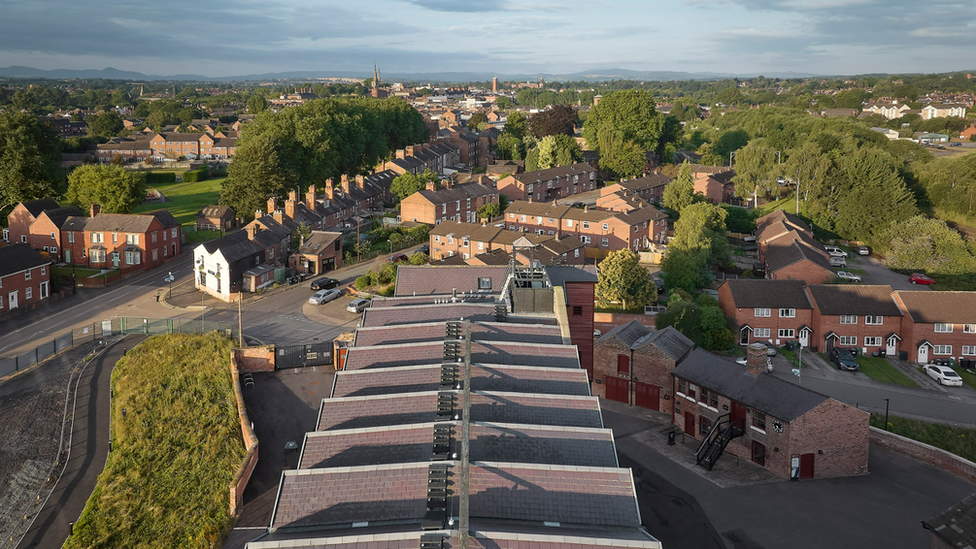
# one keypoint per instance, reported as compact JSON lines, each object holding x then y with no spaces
{"x":324,"y":283}
{"x":844,"y":359}
{"x":943,"y":374}
{"x":358,"y":305}
{"x":919,"y":278}
{"x":323,"y":296}
{"x":834,"y":251}
{"x":836,"y":261}
{"x":863,"y":250}
{"x":847,"y":275}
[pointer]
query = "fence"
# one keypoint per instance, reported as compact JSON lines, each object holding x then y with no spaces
{"x":300,"y":356}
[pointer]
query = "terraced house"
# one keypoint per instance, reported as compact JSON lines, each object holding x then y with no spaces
{"x":548,"y":185}
{"x":121,"y":241}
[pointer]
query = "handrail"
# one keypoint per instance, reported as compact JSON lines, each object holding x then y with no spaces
{"x":711,"y":435}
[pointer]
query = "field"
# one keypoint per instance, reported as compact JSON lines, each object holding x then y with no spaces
{"x":185,"y":199}
{"x":176,"y":445}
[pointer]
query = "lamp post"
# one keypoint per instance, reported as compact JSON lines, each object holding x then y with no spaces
{"x":169,"y":278}
{"x":886,"y":414}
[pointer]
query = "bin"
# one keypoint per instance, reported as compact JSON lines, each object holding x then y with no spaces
{"x":903,"y":355}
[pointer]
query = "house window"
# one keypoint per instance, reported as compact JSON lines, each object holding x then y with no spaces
{"x":44,"y":290}
{"x":584,"y":239}
{"x":576,"y":252}
{"x":605,"y":242}
{"x":758,"y":453}
{"x":154,"y":237}
{"x":569,"y":222}
{"x":132,"y":239}
{"x":760,"y":313}
{"x":23,"y":238}
{"x":759,"y":420}
{"x":54,"y":250}
{"x":942,"y":349}
{"x":522,"y":218}
{"x":787,"y":313}
{"x":760,"y":332}
{"x":848,"y":319}
{"x":586,"y":224}
{"x":969,"y":328}
{"x":29,"y":292}
{"x":786,"y":333}
{"x":437,"y":238}
{"x":464,"y":243}
{"x":484,"y":283}
{"x":97,"y":238}
{"x":969,"y":349}
{"x":481,"y":245}
{"x":115,"y":238}
{"x":551,"y":233}
{"x":848,"y":340}
{"x":577,"y":310}
{"x":450,"y":240}
{"x":71,"y":237}
{"x":606,"y":226}
{"x":692,"y":389}
{"x":872,"y":341}
{"x":27,"y":274}
{"x":164,"y":251}
{"x":52,"y":236}
{"x":941,"y":328}
{"x":874,"y":320}
{"x":704,"y":425}
{"x":174,"y":232}
{"x":682,"y":386}
{"x":623,"y":365}
{"x":270,"y":253}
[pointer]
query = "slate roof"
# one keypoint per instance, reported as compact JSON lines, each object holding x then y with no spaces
{"x":35,"y":207}
{"x":646,"y":182}
{"x":19,"y":257}
{"x":319,"y":242}
{"x":233,"y":246}
{"x":453,"y":194}
{"x":495,"y":352}
{"x":428,"y":280}
{"x":560,"y":275}
{"x":931,"y":307}
{"x":629,"y":333}
{"x":542,"y":444}
{"x":409,"y":314}
{"x":481,"y":331}
{"x":377,"y":411}
{"x":406,"y":301}
{"x":773,"y":396}
{"x":120,"y":223}
{"x":854,"y":299}
{"x":766,"y":293}
{"x":635,"y":335}
{"x":372,"y":446}
{"x":165,"y":218}
{"x":956,"y":526}
{"x":786,"y":251}
{"x":217,"y":210}
{"x":535,"y":409}
{"x":474,"y":231}
{"x":781,"y":216}
{"x":74,"y":223}
{"x":59,"y":215}
{"x":581,"y":169}
{"x":485,"y":535}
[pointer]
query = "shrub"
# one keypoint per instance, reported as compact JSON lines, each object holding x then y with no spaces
{"x":388,"y":291}
{"x":160,"y":177}
{"x":363,"y":282}
{"x":194,"y":176}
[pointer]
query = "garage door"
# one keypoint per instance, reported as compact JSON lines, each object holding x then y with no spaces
{"x":647,"y":396}
{"x":617,"y":389}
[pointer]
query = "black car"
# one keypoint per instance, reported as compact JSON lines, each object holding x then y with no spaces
{"x":844,"y":359}
{"x":325,"y":283}
{"x":424,"y":249}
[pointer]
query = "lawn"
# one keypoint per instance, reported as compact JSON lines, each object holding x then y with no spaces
{"x":176,"y":445}
{"x":185,"y":199}
{"x":879,"y":369}
{"x":79,"y":272}
{"x":967,"y":378}
{"x":961,"y":442}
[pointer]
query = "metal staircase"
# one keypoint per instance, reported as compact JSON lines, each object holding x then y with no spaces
{"x":718,"y":438}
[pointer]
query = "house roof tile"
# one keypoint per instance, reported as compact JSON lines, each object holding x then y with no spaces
{"x":854,"y":299}
{"x":765,"y":293}
{"x":19,"y":257}
{"x":943,"y":307}
{"x":428,"y":280}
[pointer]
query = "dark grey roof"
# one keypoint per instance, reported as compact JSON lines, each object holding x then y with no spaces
{"x":129,"y":223}
{"x":19,"y":257}
{"x":165,"y":218}
{"x":768,"y":394}
{"x":788,"y":250}
{"x":233,"y":246}
{"x":629,"y":333}
{"x":75,"y":223}
{"x":543,"y":444}
{"x":854,"y":299}
{"x":59,"y":215}
{"x":560,"y":275}
{"x":669,"y":340}
{"x":956,"y":526}
{"x":215,"y":211}
{"x":764,"y":293}
{"x":427,"y":280}
{"x":35,"y":207}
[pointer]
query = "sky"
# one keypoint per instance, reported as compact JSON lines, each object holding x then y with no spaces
{"x":240,"y":37}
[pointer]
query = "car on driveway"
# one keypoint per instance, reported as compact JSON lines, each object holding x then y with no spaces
{"x":863,"y":250}
{"x":358,"y":305}
{"x":837,"y":261}
{"x":770,"y":348}
{"x":943,"y":374}
{"x":324,"y":283}
{"x":846,"y":275}
{"x":834,"y":251}
{"x":323,"y":296}
{"x":919,"y":278}
{"x":844,"y":359}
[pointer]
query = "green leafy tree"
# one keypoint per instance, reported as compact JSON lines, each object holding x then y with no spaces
{"x":516,"y":125}
{"x":510,"y":147}
{"x":558,"y":150}
{"x":406,"y":184}
{"x":804,"y":167}
{"x":623,"y":280}
{"x":532,"y":159}
{"x":878,"y":195}
{"x":623,"y":123}
{"x":754,"y":170}
{"x":489,"y":211}
{"x":503,"y":102}
{"x":105,"y":125}
{"x":114,"y":188}
{"x":621,"y":157}
{"x":925,"y":244}
{"x":700,"y":320}
{"x":686,"y":270}
{"x":680,"y":192}
{"x":477,"y":119}
{"x":30,"y":160}
{"x":556,"y":120}
{"x":257,"y":104}
{"x":702,"y":228}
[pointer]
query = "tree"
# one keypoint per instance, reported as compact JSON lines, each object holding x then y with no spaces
{"x":700,"y":320}
{"x":804,"y":166}
{"x":114,"y":188}
{"x":516,"y":125}
{"x":30,"y":160}
{"x":477,"y":119}
{"x":105,"y":125}
{"x":754,"y":175}
{"x":406,"y":184}
{"x":623,"y":280}
{"x":623,"y":158}
{"x":680,"y":192}
{"x":556,"y":120}
{"x":558,"y":150}
{"x":256,"y":104}
{"x":877,"y":195}
{"x":630,"y":115}
{"x":489,"y":211}
{"x":925,"y":244}
{"x":510,"y":147}
{"x":503,"y":102}
{"x":702,"y":229}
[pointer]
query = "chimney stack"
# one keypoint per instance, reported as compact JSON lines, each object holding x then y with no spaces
{"x":400,"y":153}
{"x":258,"y":214}
{"x":279,"y":216}
{"x":290,"y":204}
{"x":361,"y":181}
{"x":345,"y":183}
{"x":272,"y":205}
{"x":757,"y":361}
{"x":431,"y":186}
{"x":94,"y":210}
{"x":329,"y":190}
{"x":310,"y":197}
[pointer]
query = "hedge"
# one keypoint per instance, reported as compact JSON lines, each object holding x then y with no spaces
{"x":153,"y":178}
{"x":194,"y":176}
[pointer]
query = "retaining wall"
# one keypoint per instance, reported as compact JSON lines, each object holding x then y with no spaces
{"x":937,"y":457}
{"x":243,"y":474}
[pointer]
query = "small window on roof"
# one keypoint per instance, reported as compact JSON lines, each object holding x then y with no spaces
{"x":484,"y":283}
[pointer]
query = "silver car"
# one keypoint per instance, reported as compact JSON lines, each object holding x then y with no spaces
{"x":323,"y":296}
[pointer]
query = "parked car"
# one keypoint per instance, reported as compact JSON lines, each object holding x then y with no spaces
{"x":943,"y":374}
{"x":955,"y":144}
{"x":424,"y":249}
{"x":743,"y":360}
{"x":323,"y":296}
{"x":844,"y":359}
{"x":836,"y":261}
{"x":324,"y":283}
{"x":770,"y":349}
{"x":397,"y":258}
{"x":863,"y":250}
{"x":358,"y":305}
{"x":659,"y":283}
{"x":835,"y":251}
{"x":847,"y":275}
{"x":919,"y":278}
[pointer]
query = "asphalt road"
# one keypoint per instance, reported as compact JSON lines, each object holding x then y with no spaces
{"x":89,"y":451}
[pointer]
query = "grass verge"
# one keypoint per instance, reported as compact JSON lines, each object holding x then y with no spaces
{"x":174,"y":452}
{"x":879,"y":369}
{"x":959,"y":441}
{"x":967,"y":378}
{"x":186,"y":199}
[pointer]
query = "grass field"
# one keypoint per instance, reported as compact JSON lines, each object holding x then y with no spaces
{"x":186,"y":199}
{"x":961,"y":442}
{"x":174,"y":452}
{"x":879,"y":369}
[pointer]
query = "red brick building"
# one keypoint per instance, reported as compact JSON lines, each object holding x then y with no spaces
{"x":450,"y":202}
{"x":320,"y":253}
{"x":121,"y":241}
{"x":216,"y":218}
{"x":715,"y":183}
{"x":20,"y":219}
{"x":603,"y":230}
{"x":852,"y":315}
{"x":548,"y":185}
{"x":776,"y":311}
{"x":937,"y":325}
{"x":25,"y":277}
{"x":785,"y":428}
{"x":632,"y":364}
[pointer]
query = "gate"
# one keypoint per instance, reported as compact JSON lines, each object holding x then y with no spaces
{"x":617,"y":389}
{"x":300,"y":356}
{"x":647,"y":396}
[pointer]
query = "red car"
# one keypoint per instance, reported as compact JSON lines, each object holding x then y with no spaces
{"x":919,"y":278}
{"x":397,"y":258}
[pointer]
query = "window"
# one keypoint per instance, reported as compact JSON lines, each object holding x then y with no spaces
{"x":584,"y":239}
{"x":848,"y":340}
{"x":692,"y":388}
{"x":132,"y":239}
{"x":586,"y":224}
{"x":29,"y":293}
{"x":464,"y":243}
{"x":605,"y":242}
{"x":704,"y":425}
{"x":6,"y":235}
{"x":174,"y":232}
{"x":551,"y":233}
{"x":52,"y":236}
{"x":576,"y":252}
{"x":969,"y":328}
{"x":27,"y":274}
{"x":54,"y":250}
{"x":759,"y":420}
{"x":97,"y":238}
{"x":165,"y":251}
{"x":682,"y":386}
{"x":450,"y":239}
{"x":437,"y":238}
{"x":942,"y":349}
{"x":708,"y":398}
{"x":569,"y":222}
{"x":511,"y":216}
{"x":623,"y":365}
{"x":71,"y":237}
{"x":270,"y":253}
{"x":115,"y":238}
{"x":577,"y":310}
{"x":606,"y":226}
{"x":44,"y":269}
{"x":481,"y":245}
{"x":761,"y":313}
{"x":874,"y":320}
{"x":848,"y":319}
{"x":760,"y":332}
{"x":787,"y":313}
{"x":484,"y":283}
{"x":538,"y":220}
{"x":522,"y":219}
{"x":941,"y":328}
{"x":872,"y":341}
{"x":23,"y":238}
{"x":969,"y":349}
{"x":44,"y":290}
{"x":758,"y":453}
{"x":786,"y":333}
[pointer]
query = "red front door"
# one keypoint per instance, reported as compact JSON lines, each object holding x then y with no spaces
{"x":647,"y":396}
{"x":738,"y":415}
{"x":806,"y":466}
{"x":617,"y":389}
{"x":689,"y":423}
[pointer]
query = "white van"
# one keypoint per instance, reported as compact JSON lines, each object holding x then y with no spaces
{"x":358,"y":305}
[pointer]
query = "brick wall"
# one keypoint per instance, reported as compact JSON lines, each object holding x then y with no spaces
{"x":250,"y":461}
{"x":647,"y":364}
{"x":838,"y":430}
{"x":923,"y":452}
{"x":256,"y":359}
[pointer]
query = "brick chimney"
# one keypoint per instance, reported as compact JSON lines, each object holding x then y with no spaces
{"x":279,"y":216}
{"x":409,"y":150}
{"x":329,"y":190}
{"x":400,"y":153}
{"x":431,"y":186}
{"x":272,"y":205}
{"x":258,"y":214}
{"x":345,"y":184}
{"x":94,"y":210}
{"x":290,"y":204}
{"x":756,"y":359}
{"x":361,"y":181}
{"x":310,"y":197}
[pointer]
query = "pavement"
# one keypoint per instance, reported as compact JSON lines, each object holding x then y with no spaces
{"x":88,"y":454}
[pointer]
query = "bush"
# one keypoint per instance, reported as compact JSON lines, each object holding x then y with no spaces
{"x":386,"y":274}
{"x":388,"y":291}
{"x":194,"y":176}
{"x":363,"y":282}
{"x":154,"y":178}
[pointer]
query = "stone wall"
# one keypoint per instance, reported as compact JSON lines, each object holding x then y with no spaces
{"x":255,"y":359}
{"x":929,"y":454}
{"x":243,"y":474}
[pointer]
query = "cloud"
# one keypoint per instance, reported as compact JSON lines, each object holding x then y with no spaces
{"x":466,"y":6}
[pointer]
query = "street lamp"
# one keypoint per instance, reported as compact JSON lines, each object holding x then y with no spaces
{"x":170,"y":280}
{"x":886,"y":414}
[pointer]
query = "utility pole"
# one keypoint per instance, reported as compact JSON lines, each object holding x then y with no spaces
{"x":240,"y":319}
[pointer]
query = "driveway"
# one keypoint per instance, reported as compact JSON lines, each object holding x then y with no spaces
{"x":875,"y":272}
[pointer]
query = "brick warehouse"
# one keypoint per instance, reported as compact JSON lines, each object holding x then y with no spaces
{"x":789,"y":430}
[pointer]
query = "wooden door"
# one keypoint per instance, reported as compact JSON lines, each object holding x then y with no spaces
{"x":617,"y":389}
{"x":647,"y":396}
{"x":689,"y":423}
{"x":738,"y":415}
{"x":806,"y":466}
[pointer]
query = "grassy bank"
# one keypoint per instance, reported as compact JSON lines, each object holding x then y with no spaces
{"x":174,"y":451}
{"x":185,"y":199}
{"x":956,"y":440}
